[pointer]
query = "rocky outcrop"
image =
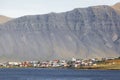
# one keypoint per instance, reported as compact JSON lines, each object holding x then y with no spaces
{"x":81,"y":33}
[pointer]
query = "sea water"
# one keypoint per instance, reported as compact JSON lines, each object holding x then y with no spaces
{"x":57,"y":74}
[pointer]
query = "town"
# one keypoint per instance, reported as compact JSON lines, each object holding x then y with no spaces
{"x":95,"y":63}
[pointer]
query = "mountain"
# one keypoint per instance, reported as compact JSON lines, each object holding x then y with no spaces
{"x":117,"y":7}
{"x":4,"y":19}
{"x":92,"y":32}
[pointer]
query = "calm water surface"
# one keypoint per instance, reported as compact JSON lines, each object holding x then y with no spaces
{"x":58,"y":74}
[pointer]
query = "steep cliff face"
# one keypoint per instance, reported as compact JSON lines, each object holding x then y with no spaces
{"x":81,"y":33}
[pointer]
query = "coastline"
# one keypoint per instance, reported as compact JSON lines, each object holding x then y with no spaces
{"x":105,"y":67}
{"x":90,"y":64}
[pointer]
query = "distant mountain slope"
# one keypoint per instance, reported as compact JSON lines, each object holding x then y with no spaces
{"x":4,"y":19}
{"x":117,"y":7}
{"x":81,"y":33}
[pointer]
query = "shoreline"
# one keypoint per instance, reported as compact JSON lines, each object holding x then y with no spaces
{"x":79,"y":68}
{"x":90,"y":64}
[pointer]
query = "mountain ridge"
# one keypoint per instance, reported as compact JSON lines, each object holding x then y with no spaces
{"x":116,"y":7}
{"x":4,"y":19}
{"x":81,"y":33}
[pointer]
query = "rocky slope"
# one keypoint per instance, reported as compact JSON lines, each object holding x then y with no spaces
{"x":4,"y":19}
{"x":80,"y":33}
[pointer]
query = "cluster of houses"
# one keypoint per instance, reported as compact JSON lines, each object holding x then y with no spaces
{"x":53,"y":63}
{"x":74,"y":63}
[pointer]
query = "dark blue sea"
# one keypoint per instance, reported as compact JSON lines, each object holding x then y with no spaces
{"x":58,"y":74}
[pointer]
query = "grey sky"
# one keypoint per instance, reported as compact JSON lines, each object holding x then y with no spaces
{"x":16,"y":8}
